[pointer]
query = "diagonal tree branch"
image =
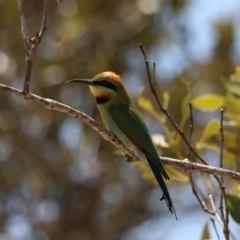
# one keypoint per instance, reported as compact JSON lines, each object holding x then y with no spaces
{"x":181,"y":133}
{"x":109,"y":136}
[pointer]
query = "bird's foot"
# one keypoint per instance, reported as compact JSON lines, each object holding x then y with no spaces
{"x":129,"y":159}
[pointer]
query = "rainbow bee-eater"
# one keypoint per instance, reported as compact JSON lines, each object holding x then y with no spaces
{"x":121,"y":116}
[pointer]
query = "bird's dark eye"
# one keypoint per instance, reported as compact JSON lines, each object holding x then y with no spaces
{"x":108,"y":84}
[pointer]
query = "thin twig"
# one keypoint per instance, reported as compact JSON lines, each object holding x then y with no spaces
{"x":214,"y":226}
{"x":221,"y":162}
{"x":194,"y":189}
{"x":226,"y":220}
{"x":165,"y":111}
{"x":221,"y":138}
{"x":215,"y":214}
{"x":31,"y":44}
{"x":44,"y":20}
{"x":223,"y":198}
{"x":212,"y":213}
{"x":181,"y":133}
{"x":154,"y":74}
{"x":24,"y":29}
{"x":202,"y":203}
{"x":191,"y":130}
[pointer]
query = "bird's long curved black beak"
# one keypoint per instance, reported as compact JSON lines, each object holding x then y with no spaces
{"x":79,"y":80}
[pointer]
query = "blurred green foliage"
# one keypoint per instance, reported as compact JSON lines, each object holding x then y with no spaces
{"x":205,"y":234}
{"x":59,"y":179}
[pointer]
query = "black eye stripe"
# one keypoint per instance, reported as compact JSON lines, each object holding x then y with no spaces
{"x":107,"y":84}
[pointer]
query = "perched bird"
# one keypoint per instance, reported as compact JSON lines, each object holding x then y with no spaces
{"x":120,"y":115}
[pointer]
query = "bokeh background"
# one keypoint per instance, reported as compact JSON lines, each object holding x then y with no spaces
{"x":58,"y":178}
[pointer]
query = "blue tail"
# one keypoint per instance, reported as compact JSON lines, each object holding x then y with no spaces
{"x":163,"y":186}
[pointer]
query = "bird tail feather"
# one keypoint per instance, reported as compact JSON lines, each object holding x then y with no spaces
{"x":166,"y":195}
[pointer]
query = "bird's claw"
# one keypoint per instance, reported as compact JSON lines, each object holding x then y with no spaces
{"x":129,"y":159}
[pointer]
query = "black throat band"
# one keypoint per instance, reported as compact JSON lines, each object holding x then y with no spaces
{"x":101,"y":100}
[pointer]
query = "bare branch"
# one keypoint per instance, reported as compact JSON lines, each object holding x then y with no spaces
{"x":215,"y":214}
{"x":166,"y":112}
{"x":194,"y":189}
{"x":109,"y":136}
{"x":181,"y":133}
{"x":221,"y":161}
{"x":214,"y":226}
{"x":24,"y":29}
{"x":191,"y":130}
{"x":154,"y":74}
{"x":202,"y":203}
{"x":197,"y":167}
{"x":191,"y":148}
{"x":44,"y":20}
{"x":31,"y":44}
{"x":226,"y":220}
{"x":212,"y":213}
{"x":223,"y":197}
{"x":221,"y":138}
{"x":57,"y":106}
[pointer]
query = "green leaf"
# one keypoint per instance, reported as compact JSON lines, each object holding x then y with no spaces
{"x":185,"y":111}
{"x":232,"y":105}
{"x":144,"y":103}
{"x":233,"y":204}
{"x":174,"y":174}
{"x":232,"y":86}
{"x":237,"y":72}
{"x":228,"y":157}
{"x":208,"y":102}
{"x":205,"y":233}
{"x":230,"y":140}
{"x":212,"y":128}
{"x":236,"y":188}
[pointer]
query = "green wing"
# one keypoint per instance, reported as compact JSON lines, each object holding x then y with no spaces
{"x":131,"y":123}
